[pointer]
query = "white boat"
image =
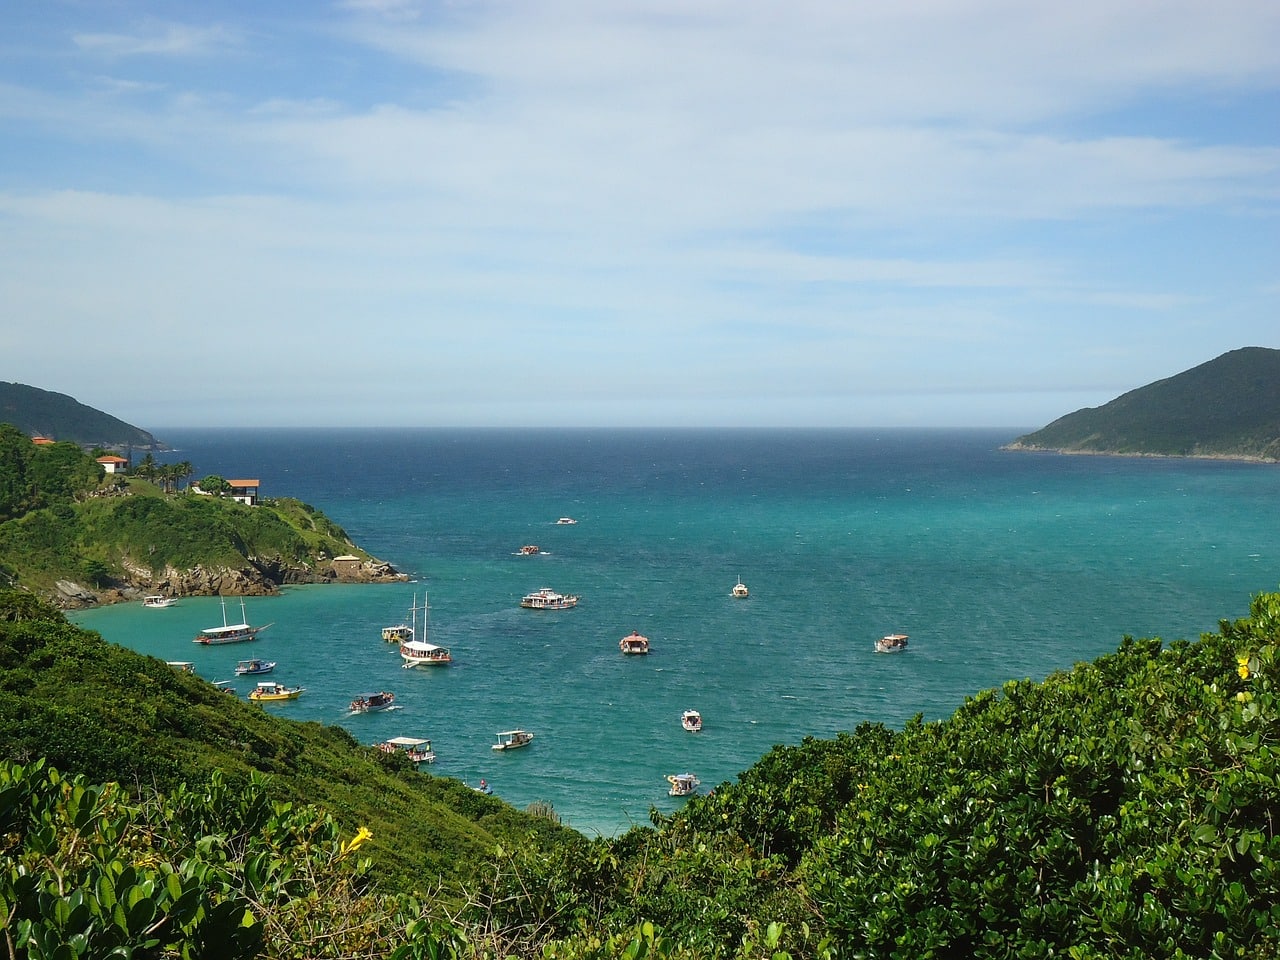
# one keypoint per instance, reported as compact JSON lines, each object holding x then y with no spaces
{"x":417,"y":749}
{"x":740,"y":589}
{"x":513,"y":739}
{"x":548,"y":599}
{"x":372,"y":702}
{"x":892,"y":643}
{"x":682,"y":784}
{"x":634,"y":643}
{"x":420,"y":653}
{"x":252,"y":667}
{"x":186,"y":666}
{"x":158,"y":602}
{"x":564,"y":521}
{"x":403,"y":631}
{"x":691,"y":720}
{"x":229,"y":632}
{"x":530,"y":550}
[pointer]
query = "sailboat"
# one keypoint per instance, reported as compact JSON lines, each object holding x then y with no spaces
{"x":230,"y":632}
{"x":418,"y":652}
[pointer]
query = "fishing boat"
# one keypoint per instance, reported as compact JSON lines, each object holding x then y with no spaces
{"x":230,"y":632}
{"x":158,"y":602}
{"x":417,"y":749}
{"x":252,"y":667}
{"x":892,"y":643}
{"x":691,"y":720}
{"x":548,"y":599}
{"x":682,"y":784}
{"x":633,"y":644}
{"x":420,"y":653}
{"x":269,"y":690}
{"x":372,"y":702}
{"x":513,"y":739}
{"x":740,"y":590}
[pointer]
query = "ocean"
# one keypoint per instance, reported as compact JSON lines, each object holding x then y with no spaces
{"x":998,"y":566}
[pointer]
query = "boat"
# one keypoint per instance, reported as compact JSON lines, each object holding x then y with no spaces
{"x":512,"y":739}
{"x":892,"y":643}
{"x":229,"y":632}
{"x":564,"y":521}
{"x":548,"y":599}
{"x":186,"y":666}
{"x":634,"y":643}
{"x":401,"y":631}
{"x":691,"y":720}
{"x":530,"y":550}
{"x":251,"y":667}
{"x":268,"y":690}
{"x":740,"y":589}
{"x":224,"y":686}
{"x":420,"y":653}
{"x":372,"y":702}
{"x":483,"y":788}
{"x":416,"y":749}
{"x":682,"y":784}
{"x":158,"y":602}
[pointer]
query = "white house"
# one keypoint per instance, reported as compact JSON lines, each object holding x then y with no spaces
{"x":244,"y":491}
{"x":113,"y":464}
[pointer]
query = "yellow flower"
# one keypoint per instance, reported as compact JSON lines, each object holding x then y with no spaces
{"x":1243,"y":667}
{"x":361,"y":836}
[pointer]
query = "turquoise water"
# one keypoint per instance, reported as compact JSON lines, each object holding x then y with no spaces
{"x":998,"y":566}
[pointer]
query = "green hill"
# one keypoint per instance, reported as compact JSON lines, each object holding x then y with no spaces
{"x":43,"y":413}
{"x":1228,"y":407}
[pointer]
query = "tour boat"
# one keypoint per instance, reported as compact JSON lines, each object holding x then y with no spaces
{"x":251,"y":667}
{"x":512,"y":739}
{"x":229,"y":632}
{"x":691,"y":720}
{"x":372,"y":702}
{"x":416,"y":749}
{"x":402,"y":631}
{"x":565,"y":521}
{"x":530,"y":550}
{"x":158,"y":602}
{"x":420,"y":653}
{"x":270,"y":690}
{"x":634,"y":643}
{"x":892,"y":643}
{"x":548,"y":599}
{"x":740,"y":589}
{"x":682,"y":784}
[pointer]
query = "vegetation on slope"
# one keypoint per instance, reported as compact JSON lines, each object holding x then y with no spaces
{"x":1125,"y":808}
{"x":1228,"y":407}
{"x":43,"y":413}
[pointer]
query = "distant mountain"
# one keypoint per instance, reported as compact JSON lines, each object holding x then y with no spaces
{"x":44,"y":413}
{"x":1227,"y":408}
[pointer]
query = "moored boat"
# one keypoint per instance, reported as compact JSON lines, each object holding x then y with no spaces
{"x":158,"y":602}
{"x":372,"y":702}
{"x":691,"y":720}
{"x":634,"y":643}
{"x":513,"y":739}
{"x":548,"y":599}
{"x":251,"y":667}
{"x":417,"y":749}
{"x":230,"y":632}
{"x":401,"y":632}
{"x":420,"y":653}
{"x":740,"y":589}
{"x":892,"y":643}
{"x":269,"y":690}
{"x":682,"y":784}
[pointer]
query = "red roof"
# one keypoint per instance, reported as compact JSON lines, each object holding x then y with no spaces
{"x":42,"y":440}
{"x":243,"y":483}
{"x":112,"y":458}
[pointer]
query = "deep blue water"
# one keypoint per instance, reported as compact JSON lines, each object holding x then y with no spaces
{"x":998,"y":565}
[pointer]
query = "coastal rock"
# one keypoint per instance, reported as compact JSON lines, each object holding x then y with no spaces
{"x":74,"y":595}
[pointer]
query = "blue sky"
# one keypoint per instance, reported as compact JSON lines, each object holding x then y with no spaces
{"x":568,"y":212}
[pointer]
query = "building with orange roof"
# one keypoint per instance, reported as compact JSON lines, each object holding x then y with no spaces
{"x":113,"y":464}
{"x":244,"y":491}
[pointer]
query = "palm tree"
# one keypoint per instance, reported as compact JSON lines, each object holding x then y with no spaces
{"x":184,"y":470}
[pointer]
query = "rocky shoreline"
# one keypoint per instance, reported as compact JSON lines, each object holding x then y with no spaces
{"x":259,"y":578}
{"x":1016,"y":447}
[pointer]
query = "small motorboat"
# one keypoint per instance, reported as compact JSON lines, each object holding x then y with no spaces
{"x":633,"y":643}
{"x":158,"y":602}
{"x":251,"y":667}
{"x":892,"y":643}
{"x":269,"y":690}
{"x":740,"y":590}
{"x":691,"y":720}
{"x":372,"y":702}
{"x":682,"y":784}
{"x":513,"y":739}
{"x":530,"y":550}
{"x":565,"y":521}
{"x":417,"y":749}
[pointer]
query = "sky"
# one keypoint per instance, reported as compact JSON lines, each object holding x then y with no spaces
{"x":826,"y":213}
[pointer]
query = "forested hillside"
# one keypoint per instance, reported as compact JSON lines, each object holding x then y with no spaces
{"x":1125,"y":808}
{"x":1228,"y":407}
{"x":44,"y":413}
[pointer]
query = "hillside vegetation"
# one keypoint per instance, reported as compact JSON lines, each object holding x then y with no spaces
{"x":1125,"y":808}
{"x":1228,"y":407}
{"x":44,"y":413}
{"x":63,"y":521}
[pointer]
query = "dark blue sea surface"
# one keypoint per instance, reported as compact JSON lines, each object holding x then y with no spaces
{"x":998,"y":565}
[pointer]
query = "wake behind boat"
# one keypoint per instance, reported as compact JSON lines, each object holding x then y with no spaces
{"x":230,"y":632}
